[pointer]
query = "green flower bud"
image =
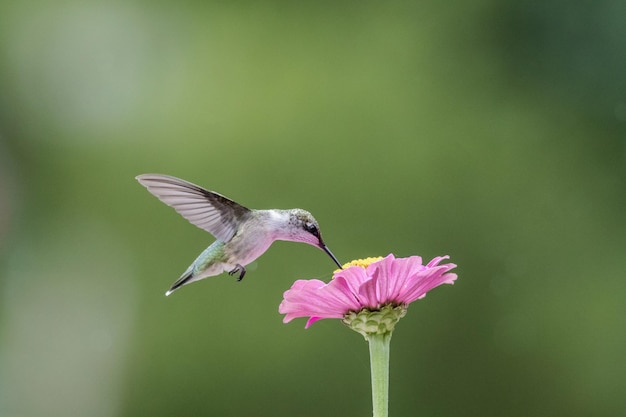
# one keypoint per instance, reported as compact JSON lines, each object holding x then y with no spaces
{"x":372,"y":322}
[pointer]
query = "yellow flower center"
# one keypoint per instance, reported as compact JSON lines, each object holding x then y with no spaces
{"x":363,"y":263}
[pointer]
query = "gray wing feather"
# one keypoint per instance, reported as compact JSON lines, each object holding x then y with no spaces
{"x":206,"y":209}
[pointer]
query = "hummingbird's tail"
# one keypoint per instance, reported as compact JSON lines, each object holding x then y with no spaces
{"x":185,"y":278}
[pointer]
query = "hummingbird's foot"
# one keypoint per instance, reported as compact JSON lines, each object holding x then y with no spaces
{"x":240,"y":269}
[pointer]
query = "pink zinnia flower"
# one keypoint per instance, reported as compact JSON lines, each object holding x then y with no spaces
{"x":370,"y":296}
{"x":386,"y":285}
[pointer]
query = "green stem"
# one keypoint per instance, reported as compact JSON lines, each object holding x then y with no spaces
{"x":379,"y":361}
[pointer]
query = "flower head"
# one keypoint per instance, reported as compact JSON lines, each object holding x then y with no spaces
{"x":384,"y":286}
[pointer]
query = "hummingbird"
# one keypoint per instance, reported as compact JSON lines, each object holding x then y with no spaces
{"x":242,"y":234}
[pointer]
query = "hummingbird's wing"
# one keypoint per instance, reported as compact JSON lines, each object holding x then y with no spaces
{"x":206,"y":209}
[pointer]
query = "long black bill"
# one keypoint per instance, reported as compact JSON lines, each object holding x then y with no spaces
{"x":325,"y":249}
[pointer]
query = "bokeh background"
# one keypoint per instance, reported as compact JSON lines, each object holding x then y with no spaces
{"x":491,"y":131}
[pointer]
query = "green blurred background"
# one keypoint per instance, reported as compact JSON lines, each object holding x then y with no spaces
{"x":492,"y":131}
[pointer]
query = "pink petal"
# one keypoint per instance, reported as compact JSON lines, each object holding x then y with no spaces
{"x":368,"y":293}
{"x":311,"y":321}
{"x":318,"y":300}
{"x":381,"y":274}
{"x":354,"y":276}
{"x":392,"y":275}
{"x":426,"y":280}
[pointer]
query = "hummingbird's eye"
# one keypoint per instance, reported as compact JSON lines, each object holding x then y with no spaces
{"x":311,"y":228}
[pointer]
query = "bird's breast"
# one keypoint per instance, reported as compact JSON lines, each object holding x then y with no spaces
{"x":246,"y":247}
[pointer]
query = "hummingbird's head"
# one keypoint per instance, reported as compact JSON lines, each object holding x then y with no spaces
{"x":304,"y":228}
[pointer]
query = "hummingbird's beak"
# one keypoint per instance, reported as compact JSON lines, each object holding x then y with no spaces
{"x":325,"y":249}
